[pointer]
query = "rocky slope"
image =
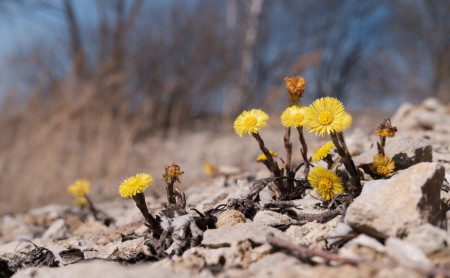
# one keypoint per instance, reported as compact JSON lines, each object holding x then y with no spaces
{"x":397,"y":227}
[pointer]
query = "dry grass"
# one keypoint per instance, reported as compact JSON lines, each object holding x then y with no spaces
{"x":48,"y":144}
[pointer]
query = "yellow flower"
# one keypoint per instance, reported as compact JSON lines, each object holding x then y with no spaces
{"x":382,"y":165}
{"x":346,"y":122}
{"x":250,"y":122}
{"x":262,"y":157}
{"x":294,"y":116}
{"x":323,"y":151}
{"x":325,"y":182}
{"x":209,"y":169}
{"x":80,"y":201}
{"x":133,"y":185}
{"x":296,"y":87}
{"x":324,"y":115}
{"x":80,"y":187}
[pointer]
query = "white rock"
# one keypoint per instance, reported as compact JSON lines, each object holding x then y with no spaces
{"x":225,"y":236}
{"x":406,"y":254}
{"x":366,"y":241}
{"x":406,"y":202}
{"x":312,"y":233}
{"x":341,"y":229}
{"x":428,"y":238}
{"x":403,"y":150}
{"x":102,"y":269}
{"x":371,"y":187}
{"x":58,"y":230}
{"x":267,"y":217}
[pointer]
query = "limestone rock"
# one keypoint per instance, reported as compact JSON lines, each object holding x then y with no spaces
{"x":57,"y":231}
{"x":341,"y":229}
{"x":371,"y":187}
{"x":230,"y":218}
{"x":279,"y":265}
{"x":366,"y":241}
{"x":428,"y":238}
{"x":425,"y":117}
{"x":89,"y":249}
{"x":14,"y":228}
{"x":406,"y":202}
{"x":99,"y":268}
{"x":128,"y":249}
{"x":311,"y":233}
{"x":225,"y":236}
{"x":406,"y":254}
{"x":267,"y":217}
{"x":404,"y":152}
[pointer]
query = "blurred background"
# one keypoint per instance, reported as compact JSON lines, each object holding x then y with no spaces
{"x":102,"y":89}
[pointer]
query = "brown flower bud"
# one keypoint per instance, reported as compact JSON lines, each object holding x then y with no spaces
{"x":386,"y":129}
{"x":296,"y":86}
{"x":173,"y":173}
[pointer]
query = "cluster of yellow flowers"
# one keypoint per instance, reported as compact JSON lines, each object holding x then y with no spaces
{"x":323,"y":115}
{"x":79,"y":189}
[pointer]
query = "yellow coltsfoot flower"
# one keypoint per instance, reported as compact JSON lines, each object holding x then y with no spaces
{"x":382,"y":165}
{"x":347,"y":121}
{"x":323,"y":151}
{"x":325,"y":115}
{"x":250,"y":122}
{"x":133,"y":185}
{"x":80,"y":187}
{"x":294,"y":116}
{"x":80,"y":201}
{"x":209,"y":169}
{"x":262,"y":157}
{"x":326,"y":183}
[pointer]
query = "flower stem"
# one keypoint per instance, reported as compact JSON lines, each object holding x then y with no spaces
{"x":342,"y":150}
{"x":381,"y":145}
{"x":329,"y":160}
{"x":288,"y":147}
{"x":92,"y":208}
{"x":303,"y":150}
{"x":272,"y":165}
{"x":150,"y":221}
{"x":170,"y":196}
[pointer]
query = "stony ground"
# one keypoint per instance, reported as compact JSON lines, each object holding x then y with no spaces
{"x":397,"y":227}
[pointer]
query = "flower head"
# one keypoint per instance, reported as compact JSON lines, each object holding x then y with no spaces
{"x":382,"y":165}
{"x":323,"y":151}
{"x":133,"y":185}
{"x":80,"y":201}
{"x":294,"y":116}
{"x":80,"y":187}
{"x":262,"y":157}
{"x":296,"y":87}
{"x":209,"y":169}
{"x":324,"y":115}
{"x":325,"y":182}
{"x":386,"y":129}
{"x":250,"y":122}
{"x":346,"y":122}
{"x":173,"y":173}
